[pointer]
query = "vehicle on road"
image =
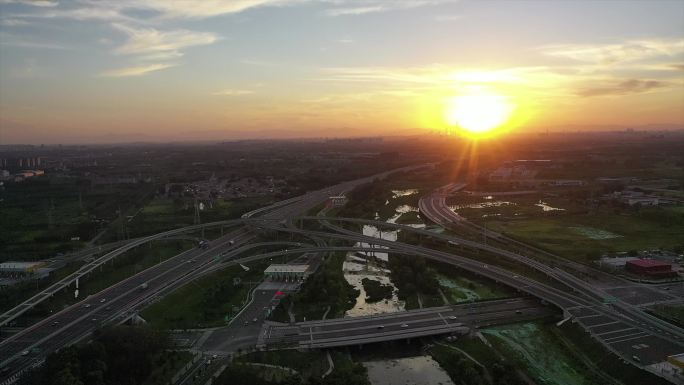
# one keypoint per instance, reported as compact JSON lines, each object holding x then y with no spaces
{"x":452,"y":317}
{"x":103,"y":300}
{"x":86,"y":305}
{"x":381,"y":327}
{"x":143,"y":286}
{"x":25,"y":353}
{"x":404,"y":325}
{"x":518,"y":312}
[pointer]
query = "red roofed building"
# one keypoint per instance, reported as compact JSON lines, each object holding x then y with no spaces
{"x":650,"y":267}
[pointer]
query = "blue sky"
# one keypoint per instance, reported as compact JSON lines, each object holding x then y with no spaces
{"x":175,"y":70}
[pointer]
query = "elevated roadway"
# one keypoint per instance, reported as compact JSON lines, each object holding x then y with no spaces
{"x":457,"y":319}
{"x":659,"y":343}
{"x":28,"y":347}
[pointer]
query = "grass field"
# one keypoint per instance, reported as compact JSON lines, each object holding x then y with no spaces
{"x":672,"y":313}
{"x":585,"y":237}
{"x":206,"y":302}
{"x":461,"y":289}
{"x":165,"y":214}
{"x":539,"y":353}
{"x":120,"y":268}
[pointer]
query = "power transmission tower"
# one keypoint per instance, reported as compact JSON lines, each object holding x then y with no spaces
{"x":197,"y":220}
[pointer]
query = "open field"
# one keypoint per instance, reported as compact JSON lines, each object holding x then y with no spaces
{"x":671,"y":313}
{"x":165,"y":214}
{"x":206,"y":302}
{"x":122,"y":267}
{"x":39,"y":218}
{"x":539,"y":354}
{"x":586,"y":237}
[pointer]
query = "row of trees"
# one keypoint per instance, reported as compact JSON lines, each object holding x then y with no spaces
{"x":119,"y":355}
{"x":329,"y":288}
{"x":348,"y":374}
{"x":411,"y":275}
{"x":464,"y":371}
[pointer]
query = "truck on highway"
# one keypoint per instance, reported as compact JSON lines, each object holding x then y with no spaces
{"x":143,"y":286}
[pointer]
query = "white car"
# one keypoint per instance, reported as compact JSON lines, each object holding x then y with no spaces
{"x":404,"y":325}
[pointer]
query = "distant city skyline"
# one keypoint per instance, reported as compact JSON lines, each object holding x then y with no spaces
{"x":170,"y":70}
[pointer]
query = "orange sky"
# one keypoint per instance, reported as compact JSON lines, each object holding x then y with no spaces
{"x":165,"y":71}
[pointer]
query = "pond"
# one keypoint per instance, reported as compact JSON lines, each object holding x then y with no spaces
{"x":481,"y":205}
{"x":545,"y":207}
{"x":404,"y":193}
{"x":407,"y":371}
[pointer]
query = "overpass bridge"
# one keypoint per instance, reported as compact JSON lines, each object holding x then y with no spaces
{"x":456,"y":319}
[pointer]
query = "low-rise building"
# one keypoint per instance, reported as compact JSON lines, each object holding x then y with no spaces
{"x":650,"y":267}
{"x":337,"y":201}
{"x":21,"y":269}
{"x":288,"y":273}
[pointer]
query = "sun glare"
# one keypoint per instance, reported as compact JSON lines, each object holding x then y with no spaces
{"x":478,"y":113}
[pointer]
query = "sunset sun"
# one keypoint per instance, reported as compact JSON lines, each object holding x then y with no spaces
{"x":479,"y":113}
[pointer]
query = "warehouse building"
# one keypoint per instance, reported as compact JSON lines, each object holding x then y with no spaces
{"x":651,"y":268}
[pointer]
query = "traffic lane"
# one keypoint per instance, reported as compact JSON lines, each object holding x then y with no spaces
{"x":448,"y":314}
{"x":471,"y":320}
{"x":244,"y":325}
{"x":64,"y":318}
{"x":648,"y":349}
{"x":639,"y":295}
{"x":365,"y":329}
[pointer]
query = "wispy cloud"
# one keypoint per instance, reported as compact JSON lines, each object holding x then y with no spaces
{"x":447,"y":18}
{"x":608,"y":54}
{"x":233,"y":92}
{"x":361,"y":7}
{"x":33,"y":3}
{"x":10,"y":22}
{"x":160,"y":44}
{"x":201,"y":9}
{"x":631,"y":86}
{"x":354,"y":10}
{"x":12,"y":40}
{"x":136,"y":70}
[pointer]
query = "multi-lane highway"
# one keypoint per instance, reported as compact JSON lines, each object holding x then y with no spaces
{"x":400,"y":325}
{"x":621,"y":327}
{"x":28,"y":347}
{"x":651,"y":343}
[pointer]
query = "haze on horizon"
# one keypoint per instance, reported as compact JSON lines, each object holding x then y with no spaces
{"x":156,"y":70}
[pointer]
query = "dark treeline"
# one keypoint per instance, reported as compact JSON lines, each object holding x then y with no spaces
{"x":119,"y":355}
{"x":411,"y":275}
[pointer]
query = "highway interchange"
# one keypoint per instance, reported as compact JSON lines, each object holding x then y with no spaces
{"x":622,"y":327}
